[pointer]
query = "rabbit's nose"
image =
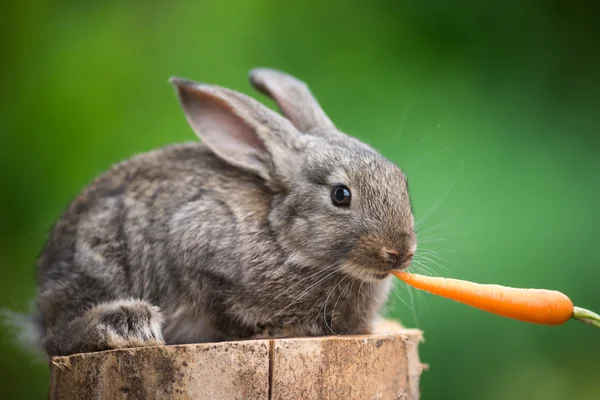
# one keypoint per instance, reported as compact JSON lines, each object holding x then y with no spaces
{"x":392,"y":257}
{"x":394,"y":260}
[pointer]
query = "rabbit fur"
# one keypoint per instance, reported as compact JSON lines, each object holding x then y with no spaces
{"x":232,"y":238}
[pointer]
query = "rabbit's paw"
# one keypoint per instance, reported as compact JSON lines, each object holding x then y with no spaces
{"x":129,"y":323}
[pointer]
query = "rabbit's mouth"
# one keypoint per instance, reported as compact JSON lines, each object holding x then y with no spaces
{"x":369,"y":261}
{"x":380,"y":275}
{"x":364,"y":273}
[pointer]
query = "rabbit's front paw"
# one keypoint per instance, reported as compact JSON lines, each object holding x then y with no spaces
{"x":129,"y":323}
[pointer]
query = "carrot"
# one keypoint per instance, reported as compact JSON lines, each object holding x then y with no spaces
{"x":538,"y":306}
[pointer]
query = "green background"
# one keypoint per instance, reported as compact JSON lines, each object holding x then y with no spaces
{"x":491,"y":110}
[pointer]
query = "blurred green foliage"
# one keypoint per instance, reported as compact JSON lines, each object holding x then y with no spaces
{"x":492,"y":110}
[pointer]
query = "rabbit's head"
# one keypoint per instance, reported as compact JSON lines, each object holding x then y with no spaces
{"x":337,"y":203}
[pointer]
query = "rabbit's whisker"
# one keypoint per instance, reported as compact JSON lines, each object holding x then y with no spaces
{"x":440,"y":266}
{"x":433,"y":241}
{"x":325,"y":304}
{"x":423,"y":231}
{"x":303,"y":294}
{"x":431,"y":253}
{"x":413,"y":308}
{"x":397,"y":293}
{"x":311,"y":276}
{"x":411,"y":166}
{"x":435,"y":205}
{"x":439,"y":235}
{"x":440,"y":200}
{"x":424,"y":268}
{"x":343,"y":292}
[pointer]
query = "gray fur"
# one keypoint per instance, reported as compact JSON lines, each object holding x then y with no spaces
{"x":294,"y":99}
{"x":232,"y":238}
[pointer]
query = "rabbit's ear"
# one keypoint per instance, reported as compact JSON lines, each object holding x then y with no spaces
{"x":238,"y":129}
{"x":294,"y":99}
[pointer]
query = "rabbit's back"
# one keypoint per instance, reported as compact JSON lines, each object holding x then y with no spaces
{"x":154,"y":227}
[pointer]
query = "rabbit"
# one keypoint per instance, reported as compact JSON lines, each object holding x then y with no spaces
{"x":273,"y":225}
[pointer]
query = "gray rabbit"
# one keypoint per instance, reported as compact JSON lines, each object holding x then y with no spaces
{"x":273,"y":226}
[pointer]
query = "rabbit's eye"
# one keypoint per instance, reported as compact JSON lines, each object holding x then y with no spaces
{"x":341,"y":196}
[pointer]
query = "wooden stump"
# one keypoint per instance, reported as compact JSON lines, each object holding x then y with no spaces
{"x":384,"y":366}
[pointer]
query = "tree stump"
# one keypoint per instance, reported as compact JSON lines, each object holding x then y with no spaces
{"x":382,"y":366}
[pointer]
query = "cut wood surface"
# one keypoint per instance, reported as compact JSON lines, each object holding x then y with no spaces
{"x":382,"y":366}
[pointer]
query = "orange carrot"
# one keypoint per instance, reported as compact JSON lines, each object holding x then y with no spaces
{"x":538,"y":306}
